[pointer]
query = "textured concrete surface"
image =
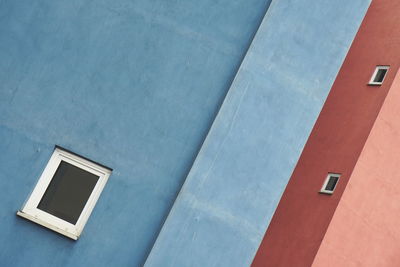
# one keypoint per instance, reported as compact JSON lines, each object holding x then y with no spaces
{"x":235,"y":184}
{"x":364,"y":230}
{"x":133,"y":85}
{"x":303,"y":215}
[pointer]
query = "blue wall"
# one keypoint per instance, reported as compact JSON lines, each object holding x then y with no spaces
{"x":235,"y":184}
{"x":134,"y":85}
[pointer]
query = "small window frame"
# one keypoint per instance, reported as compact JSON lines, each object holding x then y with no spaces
{"x":377,"y":69}
{"x":30,"y":210}
{"x":328,"y":177}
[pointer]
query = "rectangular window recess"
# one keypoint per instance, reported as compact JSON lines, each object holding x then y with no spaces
{"x":66,"y":193}
{"x":379,"y":75}
{"x":330,"y":183}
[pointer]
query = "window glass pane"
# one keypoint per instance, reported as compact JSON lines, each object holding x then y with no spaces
{"x":68,"y":192}
{"x":332,"y":183}
{"x":380,"y":75}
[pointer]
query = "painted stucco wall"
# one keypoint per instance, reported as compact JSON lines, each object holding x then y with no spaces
{"x":364,"y":230}
{"x":133,"y":85}
{"x":302,"y":217}
{"x":235,"y":184}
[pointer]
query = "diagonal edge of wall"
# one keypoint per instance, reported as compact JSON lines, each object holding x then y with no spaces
{"x":235,"y":184}
{"x":364,"y":228}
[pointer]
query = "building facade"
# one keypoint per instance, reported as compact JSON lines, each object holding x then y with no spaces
{"x":219,"y":122}
{"x":353,"y":226}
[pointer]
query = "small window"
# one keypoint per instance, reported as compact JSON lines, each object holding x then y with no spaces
{"x":330,"y":183}
{"x":379,"y":75}
{"x":66,"y":193}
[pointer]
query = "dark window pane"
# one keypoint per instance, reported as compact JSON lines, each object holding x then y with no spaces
{"x":331,"y":183}
{"x":68,"y":192}
{"x":380,"y":75}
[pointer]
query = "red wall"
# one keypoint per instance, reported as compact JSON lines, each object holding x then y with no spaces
{"x":364,"y":230}
{"x":303,"y":215}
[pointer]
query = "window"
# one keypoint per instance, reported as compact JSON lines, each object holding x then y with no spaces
{"x":330,"y":183}
{"x":379,"y":75}
{"x":66,"y":193}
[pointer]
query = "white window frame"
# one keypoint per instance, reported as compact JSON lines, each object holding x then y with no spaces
{"x":323,"y":189}
{"x":371,"y":81}
{"x":30,"y":210}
